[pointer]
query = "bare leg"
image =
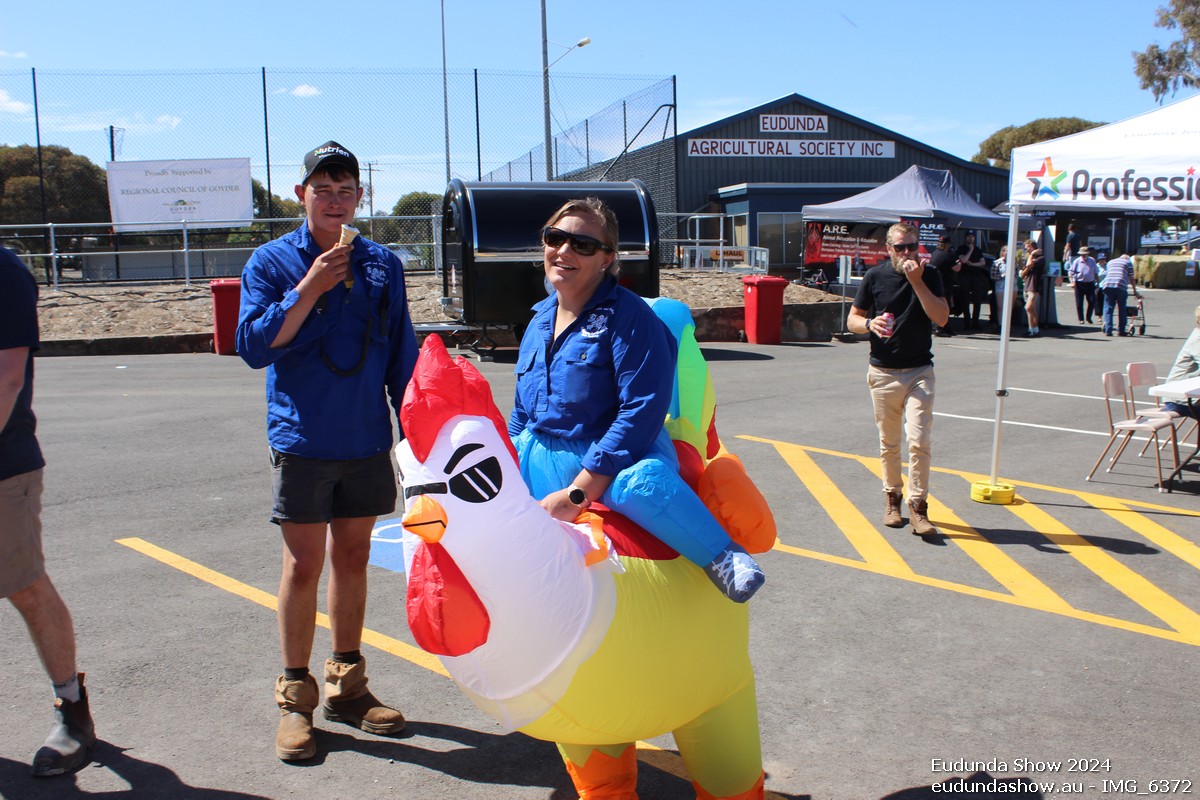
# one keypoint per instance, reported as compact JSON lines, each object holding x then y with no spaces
{"x":50,"y":627}
{"x":303,"y":560}
{"x":349,"y":552}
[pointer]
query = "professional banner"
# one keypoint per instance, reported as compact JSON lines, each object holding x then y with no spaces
{"x":161,"y":195}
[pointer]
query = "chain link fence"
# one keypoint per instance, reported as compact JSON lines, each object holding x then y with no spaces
{"x":53,"y":198}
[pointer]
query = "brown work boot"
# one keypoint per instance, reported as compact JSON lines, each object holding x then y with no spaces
{"x":69,"y":745}
{"x":891,"y":515}
{"x":294,"y":741}
{"x":920,"y":518}
{"x":348,"y":700}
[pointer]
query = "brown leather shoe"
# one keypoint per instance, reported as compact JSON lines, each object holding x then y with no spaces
{"x":348,"y":700}
{"x":920,"y":518}
{"x":294,"y":740}
{"x":891,"y":515}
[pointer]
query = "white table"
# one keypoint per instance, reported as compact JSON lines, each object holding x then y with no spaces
{"x":1183,"y":391}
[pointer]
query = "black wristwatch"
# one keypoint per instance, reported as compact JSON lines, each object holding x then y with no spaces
{"x":577,"y":496}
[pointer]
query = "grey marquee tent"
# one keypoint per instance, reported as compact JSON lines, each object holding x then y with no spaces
{"x":917,"y":193}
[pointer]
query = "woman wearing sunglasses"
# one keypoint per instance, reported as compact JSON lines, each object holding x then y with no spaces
{"x":594,"y":380}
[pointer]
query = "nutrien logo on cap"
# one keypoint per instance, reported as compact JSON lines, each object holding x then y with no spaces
{"x":325,"y":151}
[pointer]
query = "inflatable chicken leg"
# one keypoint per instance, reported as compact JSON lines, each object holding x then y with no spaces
{"x":592,"y":635}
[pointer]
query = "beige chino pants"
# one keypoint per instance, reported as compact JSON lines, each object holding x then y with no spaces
{"x":903,"y":402}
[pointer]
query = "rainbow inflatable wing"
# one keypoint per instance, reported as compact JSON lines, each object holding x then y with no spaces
{"x":592,"y":635}
{"x":718,"y":477}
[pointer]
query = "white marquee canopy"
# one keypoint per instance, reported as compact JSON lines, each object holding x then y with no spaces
{"x":1150,"y":162}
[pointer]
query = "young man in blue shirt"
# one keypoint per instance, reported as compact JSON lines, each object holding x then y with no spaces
{"x":330,"y":324}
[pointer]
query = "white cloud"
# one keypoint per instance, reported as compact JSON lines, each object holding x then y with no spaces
{"x":304,"y":90}
{"x":101,"y":120}
{"x":6,"y":54}
{"x":10,"y":106}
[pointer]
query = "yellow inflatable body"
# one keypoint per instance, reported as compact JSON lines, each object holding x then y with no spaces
{"x":592,"y":635}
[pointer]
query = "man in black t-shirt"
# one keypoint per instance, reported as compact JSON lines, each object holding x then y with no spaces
{"x":896,"y":303}
{"x":972,"y":280}
{"x":947,"y":268}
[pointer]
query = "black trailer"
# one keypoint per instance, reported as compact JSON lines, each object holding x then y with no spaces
{"x":492,"y":270}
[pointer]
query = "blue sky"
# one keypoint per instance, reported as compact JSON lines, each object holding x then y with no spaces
{"x":945,"y":73}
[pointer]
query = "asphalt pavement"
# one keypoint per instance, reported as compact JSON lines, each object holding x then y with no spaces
{"x":1053,"y":640}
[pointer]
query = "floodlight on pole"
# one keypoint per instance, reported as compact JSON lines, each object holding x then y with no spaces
{"x":546,"y":65}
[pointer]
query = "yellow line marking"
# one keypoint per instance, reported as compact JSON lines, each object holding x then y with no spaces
{"x":999,"y":564}
{"x":374,"y":638}
{"x":664,"y":760}
{"x":869,"y":542}
{"x":1131,"y":584}
{"x":1027,"y":590}
{"x":1169,"y":541}
{"x":988,"y":594}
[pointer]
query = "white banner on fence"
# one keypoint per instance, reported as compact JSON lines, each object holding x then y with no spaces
{"x":160,"y":195}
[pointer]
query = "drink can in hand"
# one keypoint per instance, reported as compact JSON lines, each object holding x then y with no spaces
{"x":889,"y":320}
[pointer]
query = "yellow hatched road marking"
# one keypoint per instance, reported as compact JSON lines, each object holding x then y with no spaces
{"x":1125,"y":580}
{"x":1000,"y":565}
{"x":1027,"y":590}
{"x":1170,"y":541}
{"x":867,"y":540}
{"x":989,"y":594}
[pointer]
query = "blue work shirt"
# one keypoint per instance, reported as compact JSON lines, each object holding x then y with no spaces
{"x":607,"y":379}
{"x":312,"y":410}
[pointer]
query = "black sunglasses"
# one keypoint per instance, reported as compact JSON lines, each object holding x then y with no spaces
{"x":910,"y":247}
{"x":583,"y":245}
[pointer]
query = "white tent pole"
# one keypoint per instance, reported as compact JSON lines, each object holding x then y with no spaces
{"x":1014,"y":216}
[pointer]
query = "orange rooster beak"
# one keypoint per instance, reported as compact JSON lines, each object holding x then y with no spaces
{"x":426,"y":519}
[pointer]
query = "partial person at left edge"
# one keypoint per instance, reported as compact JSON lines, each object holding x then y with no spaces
{"x":330,"y":323}
{"x":23,"y":578}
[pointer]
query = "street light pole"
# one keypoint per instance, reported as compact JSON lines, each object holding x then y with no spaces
{"x":549,"y":144}
{"x":446,"y":86}
{"x":546,"y":97}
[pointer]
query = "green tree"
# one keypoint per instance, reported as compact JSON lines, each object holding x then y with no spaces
{"x":415,"y":234}
{"x":997,"y":148}
{"x":279,"y":207}
{"x":76,"y":190}
{"x":1162,"y":71}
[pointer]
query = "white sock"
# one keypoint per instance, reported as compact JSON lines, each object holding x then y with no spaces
{"x":69,"y":690}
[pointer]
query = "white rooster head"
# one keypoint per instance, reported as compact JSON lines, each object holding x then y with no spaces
{"x":505,"y":594}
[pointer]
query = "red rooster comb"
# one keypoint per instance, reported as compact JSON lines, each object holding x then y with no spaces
{"x":442,"y":388}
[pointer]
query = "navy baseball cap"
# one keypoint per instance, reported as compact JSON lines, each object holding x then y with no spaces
{"x":330,"y":154}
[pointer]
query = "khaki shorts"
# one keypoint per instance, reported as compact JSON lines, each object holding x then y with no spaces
{"x":21,"y":532}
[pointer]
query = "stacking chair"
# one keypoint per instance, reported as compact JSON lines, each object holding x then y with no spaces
{"x":1143,"y":373}
{"x":1125,"y":427}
